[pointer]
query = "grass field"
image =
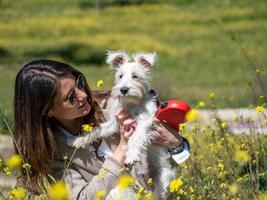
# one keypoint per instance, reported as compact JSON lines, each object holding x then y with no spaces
{"x":192,"y":38}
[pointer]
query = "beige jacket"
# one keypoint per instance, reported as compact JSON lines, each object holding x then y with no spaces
{"x":82,"y":175}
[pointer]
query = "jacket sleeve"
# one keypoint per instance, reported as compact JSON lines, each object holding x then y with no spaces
{"x":105,"y":180}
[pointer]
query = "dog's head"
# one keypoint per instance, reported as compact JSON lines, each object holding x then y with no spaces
{"x":132,"y":75}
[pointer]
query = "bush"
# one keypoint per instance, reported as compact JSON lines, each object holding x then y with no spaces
{"x":73,"y":52}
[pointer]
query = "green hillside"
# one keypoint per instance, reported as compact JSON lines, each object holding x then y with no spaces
{"x":192,"y":39}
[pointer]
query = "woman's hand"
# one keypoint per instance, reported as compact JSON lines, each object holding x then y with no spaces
{"x":127,"y":128}
{"x":168,"y":136}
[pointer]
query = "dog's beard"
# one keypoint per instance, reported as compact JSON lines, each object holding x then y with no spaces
{"x":134,"y":95}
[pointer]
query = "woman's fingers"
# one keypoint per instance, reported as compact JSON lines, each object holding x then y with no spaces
{"x":121,"y":115}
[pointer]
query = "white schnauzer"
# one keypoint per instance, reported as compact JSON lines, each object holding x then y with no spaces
{"x":131,"y":92}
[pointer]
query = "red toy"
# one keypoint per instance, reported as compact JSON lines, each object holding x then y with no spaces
{"x":173,"y":112}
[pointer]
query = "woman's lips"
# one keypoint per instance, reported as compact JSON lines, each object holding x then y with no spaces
{"x":85,"y":104}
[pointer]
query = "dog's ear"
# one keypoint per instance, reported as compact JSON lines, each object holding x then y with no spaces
{"x":116,"y":58}
{"x":147,"y":60}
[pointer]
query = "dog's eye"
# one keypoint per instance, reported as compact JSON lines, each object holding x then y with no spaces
{"x":134,"y":76}
{"x":120,"y":76}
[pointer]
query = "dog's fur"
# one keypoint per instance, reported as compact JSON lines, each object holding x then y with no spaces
{"x":131,"y":92}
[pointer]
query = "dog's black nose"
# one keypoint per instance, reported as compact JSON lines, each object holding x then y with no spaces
{"x":124,"y":90}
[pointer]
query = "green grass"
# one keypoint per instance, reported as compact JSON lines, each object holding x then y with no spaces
{"x":192,"y":39}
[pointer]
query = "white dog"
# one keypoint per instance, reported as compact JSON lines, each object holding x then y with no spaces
{"x":131,"y":92}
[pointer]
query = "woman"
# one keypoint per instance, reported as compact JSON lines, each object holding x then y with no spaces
{"x":52,"y":101}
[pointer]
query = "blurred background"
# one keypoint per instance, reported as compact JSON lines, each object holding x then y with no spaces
{"x":203,"y":46}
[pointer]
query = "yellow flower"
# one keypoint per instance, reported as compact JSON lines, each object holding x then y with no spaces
{"x":201,"y":104}
{"x":192,"y":115}
{"x":211,"y":95}
{"x":223,"y":185}
{"x":87,"y":128}
{"x":220,"y":166}
{"x":191,"y":189}
{"x":211,"y":147}
{"x":100,"y":83}
{"x":17,"y":193}
{"x":176,"y":184}
{"x":100,"y":194}
{"x":103,"y":173}
{"x":262,"y":196}
{"x":148,"y":196}
{"x":59,"y":191}
{"x":259,"y":109}
{"x":224,"y":124}
{"x":209,"y":168}
{"x":125,"y":181}
{"x":150,"y":181}
{"x":233,"y":188}
{"x":241,"y":156}
{"x":26,"y":165}
{"x":261,"y":98}
{"x":7,"y":171}
{"x":139,"y":193}
{"x":14,"y":162}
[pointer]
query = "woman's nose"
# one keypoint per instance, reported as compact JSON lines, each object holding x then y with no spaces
{"x":81,"y":95}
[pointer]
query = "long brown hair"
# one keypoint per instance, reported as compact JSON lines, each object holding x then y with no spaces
{"x":35,"y":89}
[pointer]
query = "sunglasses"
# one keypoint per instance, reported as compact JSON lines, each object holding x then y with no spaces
{"x":79,"y":84}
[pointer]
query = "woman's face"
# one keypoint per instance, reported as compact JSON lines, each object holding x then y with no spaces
{"x":70,"y":101}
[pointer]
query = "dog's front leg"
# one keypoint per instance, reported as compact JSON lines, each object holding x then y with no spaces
{"x":138,"y":142}
{"x":108,"y":128}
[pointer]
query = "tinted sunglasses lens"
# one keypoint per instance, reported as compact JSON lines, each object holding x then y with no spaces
{"x":80,"y":83}
{"x":72,"y":97}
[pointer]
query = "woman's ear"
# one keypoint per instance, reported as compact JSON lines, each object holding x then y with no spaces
{"x":50,"y":113}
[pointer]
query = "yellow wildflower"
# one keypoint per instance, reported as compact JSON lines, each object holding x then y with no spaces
{"x":176,"y":184}
{"x":211,"y":95}
{"x":103,"y":173}
{"x":87,"y":128}
{"x":7,"y":171}
{"x":59,"y":191}
{"x":261,"y":98}
{"x":150,"y":181}
{"x":26,"y":165}
{"x":201,"y":104}
{"x":262,"y":196}
{"x":220,"y":166}
{"x":262,"y":174}
{"x":259,"y":109}
{"x":1,"y":162}
{"x":100,"y":194}
{"x":211,"y":147}
{"x":125,"y":181}
{"x":209,"y":168}
{"x":139,"y":193}
{"x":241,"y":156}
{"x":192,"y":115}
{"x":148,"y":196}
{"x":224,"y":124}
{"x":233,"y":188}
{"x":191,"y":189}
{"x":100,"y":83}
{"x":14,"y":162}
{"x":223,"y":185}
{"x":17,"y":193}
